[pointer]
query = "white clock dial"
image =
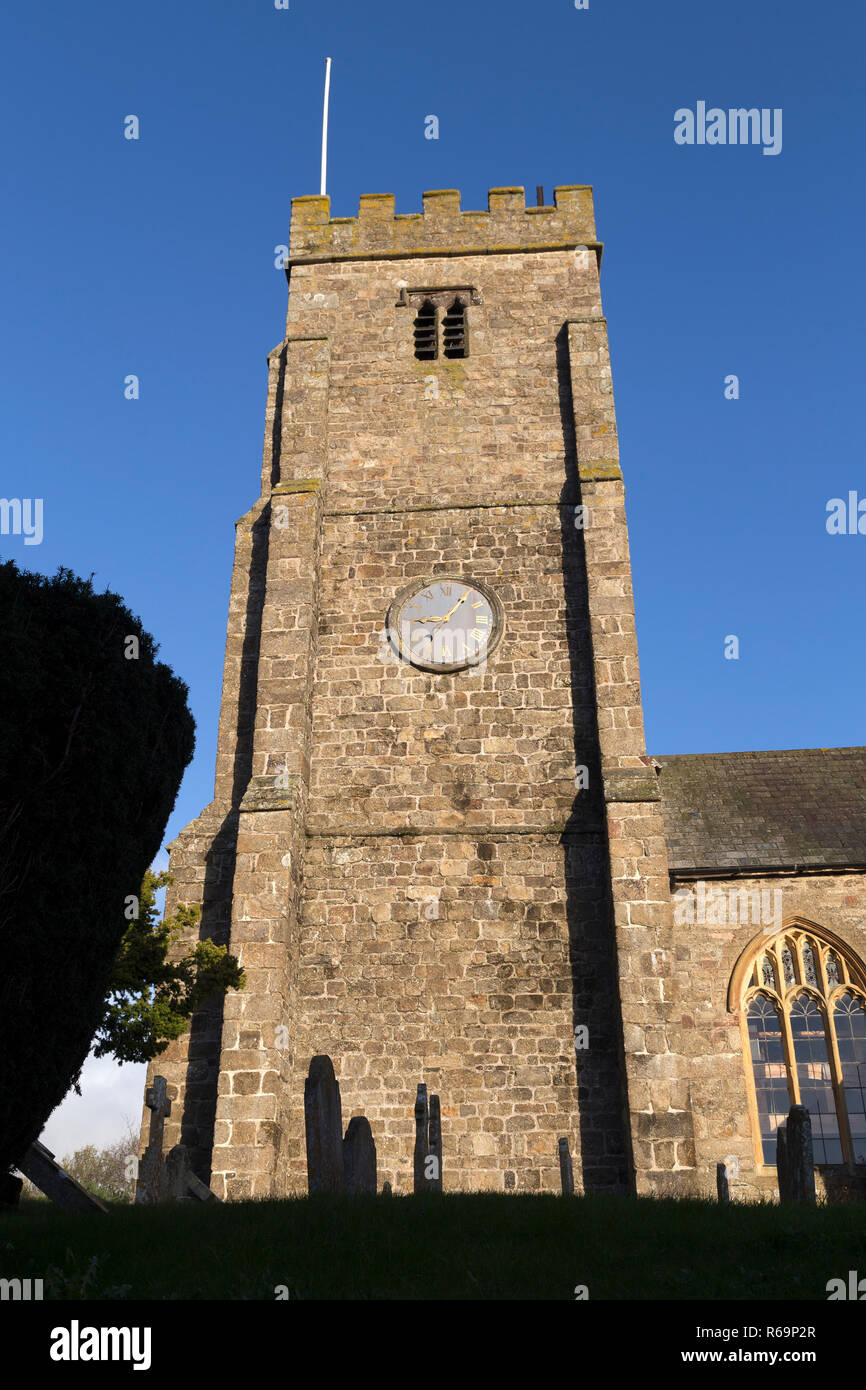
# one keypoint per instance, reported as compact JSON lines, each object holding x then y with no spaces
{"x":445,"y":624}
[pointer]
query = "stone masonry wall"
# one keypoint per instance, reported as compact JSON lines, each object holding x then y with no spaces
{"x":458,"y":958}
{"x":449,"y":959}
{"x":473,"y":466}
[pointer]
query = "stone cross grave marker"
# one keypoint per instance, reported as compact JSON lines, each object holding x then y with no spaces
{"x":153,"y":1183}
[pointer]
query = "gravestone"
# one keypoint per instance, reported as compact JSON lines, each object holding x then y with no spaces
{"x":38,"y":1164}
{"x":782,"y":1164}
{"x":323,"y":1120}
{"x":800,"y":1158}
{"x":422,"y":1135}
{"x":183,"y":1184}
{"x":722,"y":1188}
{"x":359,"y":1157}
{"x":152,"y":1184}
{"x":386,"y":1189}
{"x":434,"y":1182}
{"x":566,"y":1170}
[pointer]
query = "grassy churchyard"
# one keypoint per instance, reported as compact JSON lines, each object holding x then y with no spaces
{"x":466,"y":1246}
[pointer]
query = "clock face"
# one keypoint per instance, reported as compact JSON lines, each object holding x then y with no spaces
{"x":446,"y":624}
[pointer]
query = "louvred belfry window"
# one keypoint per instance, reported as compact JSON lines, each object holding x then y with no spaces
{"x":440,"y":327}
{"x":426,"y":336}
{"x":454,"y":330}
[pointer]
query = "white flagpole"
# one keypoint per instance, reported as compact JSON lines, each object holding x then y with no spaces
{"x":325,"y":125}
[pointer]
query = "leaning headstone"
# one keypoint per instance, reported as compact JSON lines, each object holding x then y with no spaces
{"x":422,"y":1134}
{"x":323,"y":1119}
{"x":39,"y":1166}
{"x":722,"y":1188}
{"x":359,"y":1156}
{"x":152,"y":1183}
{"x":566,"y":1171}
{"x":782,"y":1164}
{"x":177,"y":1168}
{"x":183,"y":1184}
{"x":434,"y":1151}
{"x":801,"y":1162}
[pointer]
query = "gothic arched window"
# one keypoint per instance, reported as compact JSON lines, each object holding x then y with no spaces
{"x":801,"y":996}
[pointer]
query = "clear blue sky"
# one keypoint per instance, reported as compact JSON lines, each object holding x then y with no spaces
{"x":156,"y":257}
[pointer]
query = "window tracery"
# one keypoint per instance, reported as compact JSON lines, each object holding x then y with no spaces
{"x":802,"y":1002}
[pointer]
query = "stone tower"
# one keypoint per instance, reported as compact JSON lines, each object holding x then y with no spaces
{"x":437,"y":863}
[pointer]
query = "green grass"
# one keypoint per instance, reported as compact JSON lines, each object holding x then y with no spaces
{"x":464,"y":1246}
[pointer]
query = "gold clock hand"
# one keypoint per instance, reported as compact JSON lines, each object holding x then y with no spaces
{"x":456,"y":606}
{"x":442,"y":617}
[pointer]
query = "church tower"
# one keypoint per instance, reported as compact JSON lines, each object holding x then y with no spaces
{"x":436,"y":840}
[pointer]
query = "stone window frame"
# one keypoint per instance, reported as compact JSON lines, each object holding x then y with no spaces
{"x":747,"y":983}
{"x":441,"y":297}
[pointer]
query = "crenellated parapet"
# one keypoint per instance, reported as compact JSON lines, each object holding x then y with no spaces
{"x":442,"y":229}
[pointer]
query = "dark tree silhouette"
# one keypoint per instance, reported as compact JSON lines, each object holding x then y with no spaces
{"x":95,"y":735}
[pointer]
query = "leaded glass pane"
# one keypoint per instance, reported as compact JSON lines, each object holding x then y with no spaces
{"x":812,"y":1061}
{"x":768,"y":974}
{"x":788,"y":966}
{"x":831,"y":965}
{"x":809,"y":971}
{"x":849,"y":1017}
{"x":771,"y":1077}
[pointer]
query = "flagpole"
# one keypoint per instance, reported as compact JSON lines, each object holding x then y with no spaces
{"x":325,"y":125}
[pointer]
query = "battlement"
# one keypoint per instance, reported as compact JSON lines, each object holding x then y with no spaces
{"x":379,"y":232}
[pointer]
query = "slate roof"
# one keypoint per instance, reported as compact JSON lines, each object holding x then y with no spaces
{"x":795,"y":808}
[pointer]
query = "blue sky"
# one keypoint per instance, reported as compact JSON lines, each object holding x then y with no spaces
{"x":156,"y":257}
